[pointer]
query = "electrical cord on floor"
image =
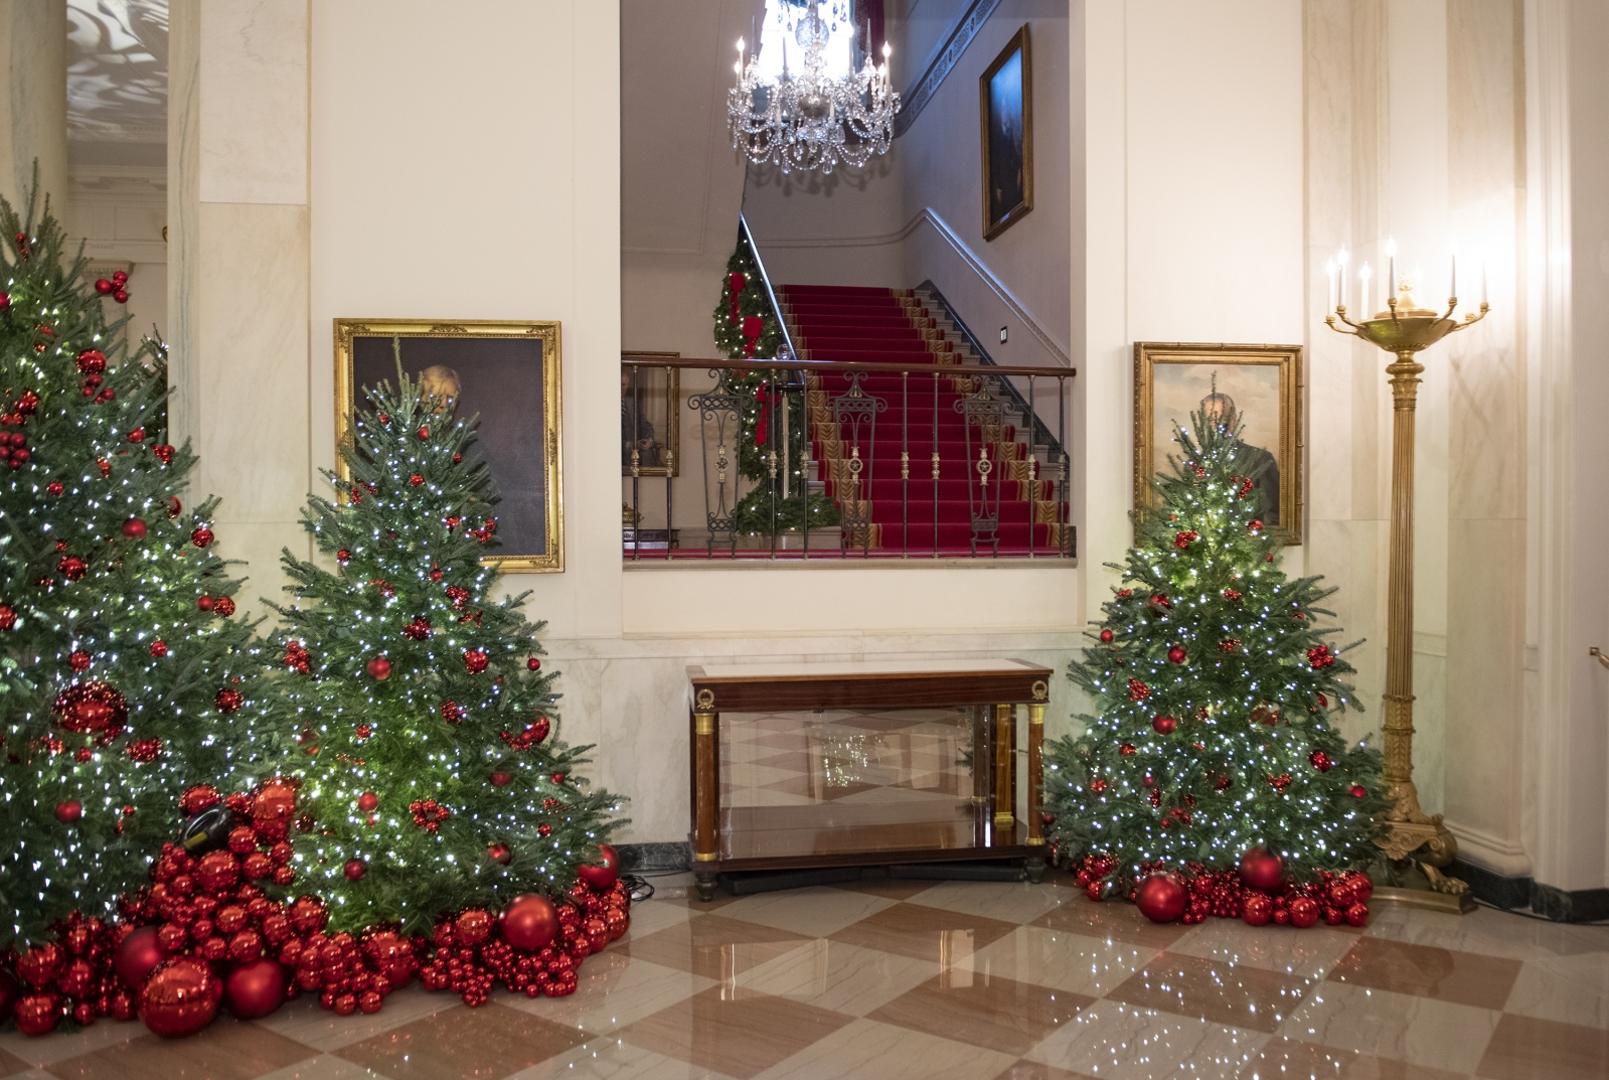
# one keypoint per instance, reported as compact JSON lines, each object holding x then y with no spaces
{"x":639,"y":887}
{"x":1533,"y":915}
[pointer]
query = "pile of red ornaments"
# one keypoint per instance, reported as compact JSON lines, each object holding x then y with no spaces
{"x":205,"y":935}
{"x":1258,"y":892}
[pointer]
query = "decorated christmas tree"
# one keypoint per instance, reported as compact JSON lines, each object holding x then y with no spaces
{"x":432,"y":779}
{"x":1213,"y":750}
{"x":746,"y":328}
{"x":125,"y":677}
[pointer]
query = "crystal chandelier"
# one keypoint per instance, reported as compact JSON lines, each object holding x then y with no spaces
{"x":808,"y":117}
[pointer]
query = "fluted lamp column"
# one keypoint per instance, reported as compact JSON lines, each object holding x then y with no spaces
{"x":1417,"y":845}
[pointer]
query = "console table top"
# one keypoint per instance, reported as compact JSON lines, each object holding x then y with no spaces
{"x":850,"y":669}
{"x":866,"y":684}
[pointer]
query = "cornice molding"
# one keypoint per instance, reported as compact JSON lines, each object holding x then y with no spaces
{"x":942,"y":62}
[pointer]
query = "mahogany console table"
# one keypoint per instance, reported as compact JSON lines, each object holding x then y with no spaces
{"x":981,"y":824}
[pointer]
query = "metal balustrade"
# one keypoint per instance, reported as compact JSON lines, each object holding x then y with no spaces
{"x":795,"y":460}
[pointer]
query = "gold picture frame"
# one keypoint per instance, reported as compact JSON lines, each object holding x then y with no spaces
{"x":505,"y":368}
{"x":665,"y":426}
{"x":1173,"y":378}
{"x":1006,"y":135}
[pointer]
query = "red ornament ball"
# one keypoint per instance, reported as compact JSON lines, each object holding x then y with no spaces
{"x":93,"y":708}
{"x":1257,"y":910}
{"x":1177,"y":655}
{"x":224,"y":606}
{"x":201,"y":536}
{"x":1164,"y":725}
{"x":159,"y":649}
{"x":229,"y":700}
{"x":69,"y":812}
{"x":473,"y":926}
{"x":134,"y":529}
{"x":8,"y":617}
{"x":368,"y":802}
{"x":78,"y":660}
{"x":500,"y":779}
{"x":1106,"y":637}
{"x":255,"y":989}
{"x":37,"y":1014}
{"x":355,"y":869}
{"x":532,"y":663}
{"x":1262,"y":870}
{"x":475,"y":660}
{"x":499,"y":853}
{"x":1357,"y":915}
{"x":379,"y":669}
{"x":1320,"y":760}
{"x":1161,"y":898}
{"x":601,"y":875}
{"x":1304,"y":912}
{"x":180,"y":998}
{"x":1359,"y":791}
{"x":530,"y":922}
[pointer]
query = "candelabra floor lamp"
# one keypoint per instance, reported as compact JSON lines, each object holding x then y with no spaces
{"x":1415,"y":845}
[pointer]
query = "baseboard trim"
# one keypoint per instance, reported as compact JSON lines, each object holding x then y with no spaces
{"x":1522,"y":891}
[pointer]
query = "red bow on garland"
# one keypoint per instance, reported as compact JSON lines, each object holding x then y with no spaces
{"x":736,"y":282}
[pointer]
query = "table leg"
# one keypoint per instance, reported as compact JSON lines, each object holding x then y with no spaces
{"x":706,"y":792}
{"x":1036,"y":783}
{"x":1005,"y":767}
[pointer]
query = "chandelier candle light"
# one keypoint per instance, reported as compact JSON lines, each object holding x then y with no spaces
{"x":811,"y":118}
{"x":1404,"y":328}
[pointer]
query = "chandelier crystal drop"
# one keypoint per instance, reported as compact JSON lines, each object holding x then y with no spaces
{"x":809,"y":118}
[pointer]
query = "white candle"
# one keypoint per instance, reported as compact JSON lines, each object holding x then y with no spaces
{"x":1483,"y":283}
{"x":1391,"y":268}
{"x":1452,"y":286}
{"x":1342,"y":257}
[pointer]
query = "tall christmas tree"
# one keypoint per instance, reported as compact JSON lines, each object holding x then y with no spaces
{"x":747,"y":328}
{"x":432,"y":779}
{"x":124,"y":676}
{"x":1216,"y":686}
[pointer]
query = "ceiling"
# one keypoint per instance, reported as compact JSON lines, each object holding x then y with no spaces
{"x":117,"y":81}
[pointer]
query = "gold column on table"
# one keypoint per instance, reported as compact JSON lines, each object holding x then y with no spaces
{"x":705,"y":783}
{"x":1036,"y":772}
{"x":1005,"y":766}
{"x":1404,"y":330}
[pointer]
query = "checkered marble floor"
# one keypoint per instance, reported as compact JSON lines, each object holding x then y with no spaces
{"x":895,"y":979}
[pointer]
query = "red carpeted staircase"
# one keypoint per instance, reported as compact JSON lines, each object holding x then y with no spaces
{"x":1015,"y":512}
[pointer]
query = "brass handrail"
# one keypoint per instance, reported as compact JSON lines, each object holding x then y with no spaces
{"x":849,"y":365}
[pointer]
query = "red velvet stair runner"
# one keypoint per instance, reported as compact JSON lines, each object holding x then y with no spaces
{"x":845,"y":323}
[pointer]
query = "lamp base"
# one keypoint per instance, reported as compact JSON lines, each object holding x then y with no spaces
{"x":1413,"y":882}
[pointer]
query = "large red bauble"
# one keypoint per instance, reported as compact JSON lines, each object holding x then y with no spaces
{"x":602,"y":874}
{"x":1304,"y":912}
{"x":92,"y":707}
{"x":217,"y":872}
{"x":134,"y":529}
{"x":40,"y":965}
{"x":393,"y":955}
{"x":137,"y":956}
{"x":1357,"y":915}
{"x":530,"y":922}
{"x":1177,"y":655}
{"x":1257,"y":910}
{"x":38,"y":1014}
{"x":275,"y":801}
{"x":1164,"y":725}
{"x":1362,"y":887}
{"x":379,"y":669}
{"x":1161,"y":898}
{"x":255,"y":989}
{"x":1261,"y":870}
{"x":180,"y":998}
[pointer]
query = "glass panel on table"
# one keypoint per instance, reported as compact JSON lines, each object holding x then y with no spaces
{"x":845,"y":781}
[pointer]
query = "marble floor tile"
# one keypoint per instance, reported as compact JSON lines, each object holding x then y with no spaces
{"x":322,"y":1067}
{"x":304,"y":1021}
{"x":231,"y":1051}
{"x":1401,"y":1027}
{"x":1524,"y":1047}
{"x":892,"y":887}
{"x":813,"y":912}
{"x":844,"y":978}
{"x":1310,"y":953}
{"x":1494,"y":933}
{"x":1122,"y":1042}
{"x":1427,"y":971}
{"x":713,"y":946}
{"x":10,"y":1065}
{"x":1224,"y":993}
{"x":612,"y":990}
{"x":1017,"y":902}
{"x":1573,"y":989}
{"x":651,"y":916}
{"x":741,"y":1035}
{"x":493,"y":1040}
{"x":1071,"y":962}
{"x":1109,"y":921}
{"x":612,"y":1058}
{"x":946,"y":938}
{"x":983,"y":1010}
{"x":1281,"y":1058}
{"x":65,"y":1042}
{"x":1035,"y":1070}
{"x":866,"y":1048}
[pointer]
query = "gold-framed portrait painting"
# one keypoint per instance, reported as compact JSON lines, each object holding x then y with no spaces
{"x":1006,"y":124}
{"x":507,"y":374}
{"x":650,"y":422}
{"x":1262,"y":383}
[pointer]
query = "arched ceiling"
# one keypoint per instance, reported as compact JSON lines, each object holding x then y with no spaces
{"x":117,"y":81}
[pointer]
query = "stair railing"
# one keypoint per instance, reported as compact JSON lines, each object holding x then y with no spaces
{"x":792,"y":354}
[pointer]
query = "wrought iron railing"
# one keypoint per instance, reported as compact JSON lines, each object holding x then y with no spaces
{"x":892,"y":461}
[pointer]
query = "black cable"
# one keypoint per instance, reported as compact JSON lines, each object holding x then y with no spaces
{"x":1538,"y":918}
{"x":638,"y":886}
